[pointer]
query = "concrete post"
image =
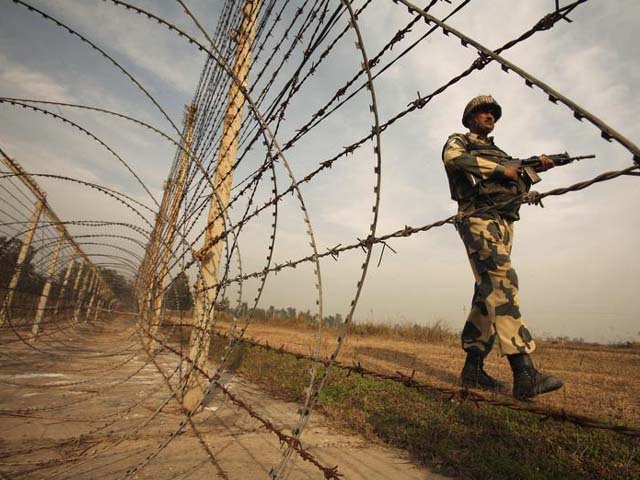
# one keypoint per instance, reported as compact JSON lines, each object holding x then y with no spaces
{"x":93,"y":292}
{"x":211,"y":255}
{"x":172,"y":217}
{"x":148,"y":270}
{"x":63,"y":288}
{"x":75,"y":292}
{"x":97,"y":311}
{"x":22,"y":256}
{"x":44,"y":296}
{"x":85,"y":283}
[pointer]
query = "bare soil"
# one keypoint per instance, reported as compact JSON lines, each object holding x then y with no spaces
{"x":87,"y":403}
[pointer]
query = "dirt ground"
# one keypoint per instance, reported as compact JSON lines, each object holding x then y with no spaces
{"x":87,"y":403}
{"x":600,"y":381}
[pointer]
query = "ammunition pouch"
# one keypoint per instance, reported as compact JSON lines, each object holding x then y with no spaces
{"x":472,"y":193}
{"x":464,"y":186}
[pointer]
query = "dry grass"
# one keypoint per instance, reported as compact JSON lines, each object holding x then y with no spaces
{"x":600,"y":381}
{"x":459,"y":439}
{"x":438,"y":332}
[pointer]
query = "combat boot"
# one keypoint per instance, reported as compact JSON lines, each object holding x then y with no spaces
{"x":474,"y":376}
{"x":527,"y":381}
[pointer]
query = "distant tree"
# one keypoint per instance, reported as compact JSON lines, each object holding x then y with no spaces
{"x":178,"y":295}
{"x":30,"y":280}
{"x":333,"y":320}
{"x":9,"y":249}
{"x":121,"y":287}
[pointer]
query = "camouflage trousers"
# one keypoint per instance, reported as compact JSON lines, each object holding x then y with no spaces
{"x":495,"y":309}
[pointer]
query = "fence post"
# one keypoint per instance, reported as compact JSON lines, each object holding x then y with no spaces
{"x":81,"y":294}
{"x":176,"y":189}
{"x":93,"y":291}
{"x":22,"y":256}
{"x":63,"y":288}
{"x":44,"y":296}
{"x":210,"y":254}
{"x":97,"y":310}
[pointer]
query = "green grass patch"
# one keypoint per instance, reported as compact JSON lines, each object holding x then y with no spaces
{"x":463,"y":439}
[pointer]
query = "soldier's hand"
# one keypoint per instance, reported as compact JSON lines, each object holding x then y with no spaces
{"x":545,"y":163}
{"x":533,"y":198}
{"x":512,"y":173}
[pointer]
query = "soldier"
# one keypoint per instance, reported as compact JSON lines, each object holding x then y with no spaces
{"x":477,"y":179}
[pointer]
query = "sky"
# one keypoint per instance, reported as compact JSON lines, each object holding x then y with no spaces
{"x":576,"y":258}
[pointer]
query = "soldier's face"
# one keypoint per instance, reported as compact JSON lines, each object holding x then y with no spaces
{"x":482,"y":122}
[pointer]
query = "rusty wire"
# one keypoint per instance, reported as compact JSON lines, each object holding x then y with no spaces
{"x":315,"y":31}
{"x":459,"y":394}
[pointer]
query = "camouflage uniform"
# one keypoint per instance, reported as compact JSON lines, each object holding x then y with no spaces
{"x":476,"y":179}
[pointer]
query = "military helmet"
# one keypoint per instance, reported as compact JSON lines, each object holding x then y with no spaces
{"x":481,"y":101}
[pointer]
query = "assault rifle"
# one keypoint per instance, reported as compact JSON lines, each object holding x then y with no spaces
{"x":529,"y":165}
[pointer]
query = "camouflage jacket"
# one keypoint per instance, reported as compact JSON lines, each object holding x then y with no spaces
{"x":476,"y":175}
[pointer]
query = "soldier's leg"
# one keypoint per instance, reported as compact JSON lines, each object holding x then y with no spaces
{"x":512,"y":333}
{"x":495,"y":312}
{"x":478,"y":333}
{"x":489,"y":244}
{"x":527,"y":381}
{"x":478,"y":336}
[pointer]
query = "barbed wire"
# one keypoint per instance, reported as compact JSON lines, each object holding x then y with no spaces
{"x":57,"y":291}
{"x":459,"y":394}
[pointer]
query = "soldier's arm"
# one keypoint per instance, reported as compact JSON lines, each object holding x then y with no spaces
{"x":455,"y":156}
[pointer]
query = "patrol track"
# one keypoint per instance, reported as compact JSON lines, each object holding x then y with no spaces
{"x":124,"y":266}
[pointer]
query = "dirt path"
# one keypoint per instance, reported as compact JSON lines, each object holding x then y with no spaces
{"x":87,"y":403}
{"x":602,"y":382}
